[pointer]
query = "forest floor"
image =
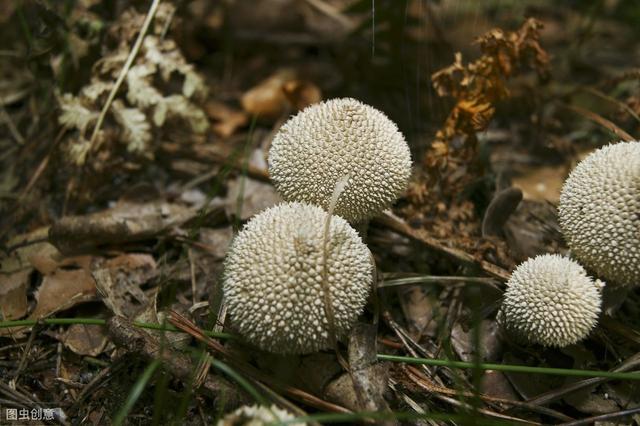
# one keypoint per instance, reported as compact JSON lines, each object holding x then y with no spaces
{"x":122,"y":184}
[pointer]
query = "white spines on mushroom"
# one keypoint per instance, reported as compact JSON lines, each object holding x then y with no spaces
{"x":313,"y":150}
{"x":550,"y":300}
{"x":273,"y":278}
{"x":257,"y":415}
{"x":599,"y":213}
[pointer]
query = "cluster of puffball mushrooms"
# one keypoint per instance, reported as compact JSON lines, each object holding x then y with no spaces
{"x":342,"y":157}
{"x":550,"y":299}
{"x":299,"y":271}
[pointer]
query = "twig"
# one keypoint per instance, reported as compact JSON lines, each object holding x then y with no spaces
{"x":23,"y":358}
{"x":402,"y":228}
{"x":547,"y":397}
{"x":417,"y":377}
{"x":603,"y":417}
{"x":609,"y":125}
{"x":433,"y":279}
{"x":442,"y":392}
{"x":622,"y":105}
{"x":123,"y":73}
{"x":100,"y":379}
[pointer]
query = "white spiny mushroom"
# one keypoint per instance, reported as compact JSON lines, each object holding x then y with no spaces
{"x":273,"y":278}
{"x":336,"y":138}
{"x":599,"y":213}
{"x":257,"y":415}
{"x":550,"y":300}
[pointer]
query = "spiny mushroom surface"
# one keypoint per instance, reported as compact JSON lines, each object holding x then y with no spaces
{"x":273,"y":278}
{"x":313,"y":150}
{"x":550,"y":300}
{"x":599,"y":213}
{"x":257,"y":415}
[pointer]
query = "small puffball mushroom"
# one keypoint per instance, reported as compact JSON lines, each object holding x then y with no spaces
{"x":257,"y":415}
{"x":550,"y":300}
{"x":341,"y":137}
{"x":273,"y":278}
{"x":599,"y":213}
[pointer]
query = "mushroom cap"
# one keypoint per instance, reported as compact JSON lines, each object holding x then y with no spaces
{"x":599,"y":213}
{"x":273,"y":278}
{"x":550,"y":300}
{"x":323,"y":143}
{"x":257,"y":415}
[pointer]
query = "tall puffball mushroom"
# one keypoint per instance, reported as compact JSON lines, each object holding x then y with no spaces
{"x":599,"y":213}
{"x":273,"y":279}
{"x":341,"y":137}
{"x":550,"y":300}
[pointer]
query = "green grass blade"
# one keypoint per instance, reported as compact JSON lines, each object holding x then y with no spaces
{"x":244,"y":383}
{"x":135,"y":393}
{"x":512,"y":368}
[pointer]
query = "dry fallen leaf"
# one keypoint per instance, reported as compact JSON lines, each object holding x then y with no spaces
{"x":228,"y":120}
{"x":26,"y":246}
{"x":61,"y":290}
{"x":119,"y":279}
{"x":13,"y":294}
{"x":65,"y":281}
{"x":84,"y":339}
{"x":463,"y":342}
{"x":267,"y":100}
{"x":301,"y":94}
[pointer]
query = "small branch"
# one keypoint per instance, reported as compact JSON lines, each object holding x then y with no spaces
{"x":609,"y":125}
{"x":630,"y":363}
{"x":402,"y":228}
{"x":433,"y":279}
{"x":603,"y":417}
{"x":619,"y":104}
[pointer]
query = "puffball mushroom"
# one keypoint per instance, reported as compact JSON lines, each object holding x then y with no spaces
{"x":323,"y":143}
{"x":550,"y":300}
{"x":273,"y":278}
{"x":257,"y":415}
{"x":599,"y":213}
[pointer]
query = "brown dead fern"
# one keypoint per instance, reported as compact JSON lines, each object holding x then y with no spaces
{"x":476,"y":88}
